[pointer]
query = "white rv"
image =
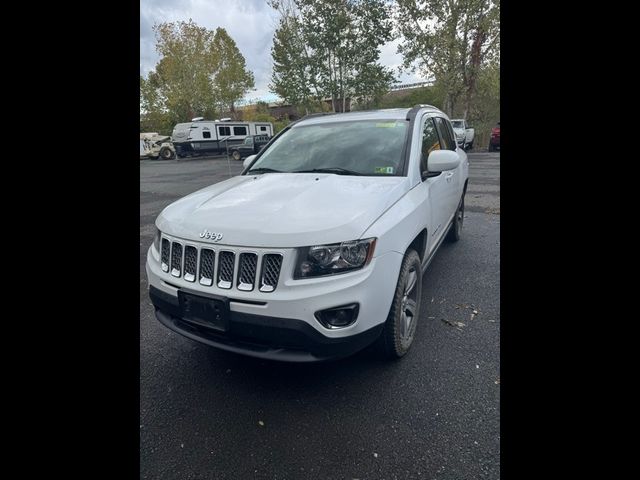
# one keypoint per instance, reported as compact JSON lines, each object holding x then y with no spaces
{"x":213,"y":136}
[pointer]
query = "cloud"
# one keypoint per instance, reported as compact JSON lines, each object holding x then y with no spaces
{"x":251,"y":23}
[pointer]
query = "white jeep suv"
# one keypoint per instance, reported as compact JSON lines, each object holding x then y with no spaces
{"x":318,"y":248}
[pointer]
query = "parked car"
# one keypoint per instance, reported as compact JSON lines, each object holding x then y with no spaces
{"x":318,"y":248}
{"x":251,"y":145}
{"x":153,"y":145}
{"x":465,"y":134}
{"x":494,"y":141}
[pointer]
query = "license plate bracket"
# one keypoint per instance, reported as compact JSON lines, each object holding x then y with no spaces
{"x":210,"y":312}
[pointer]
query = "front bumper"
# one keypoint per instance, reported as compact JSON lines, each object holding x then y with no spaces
{"x":282,"y":324}
{"x":261,"y":336}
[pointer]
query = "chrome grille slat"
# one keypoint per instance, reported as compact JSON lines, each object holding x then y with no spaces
{"x":247,"y":267}
{"x":176,"y":259}
{"x":271,"y":264}
{"x":207,"y":264}
{"x":226,"y":261}
{"x":165,"y":255}
{"x":190,"y":263}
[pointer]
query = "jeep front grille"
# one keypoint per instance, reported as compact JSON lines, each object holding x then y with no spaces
{"x":233,"y":268}
{"x":271,"y":264}
{"x":226,"y":262}
{"x":247,"y":266}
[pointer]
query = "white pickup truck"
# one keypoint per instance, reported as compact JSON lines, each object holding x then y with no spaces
{"x":318,"y":248}
{"x":464,"y":133}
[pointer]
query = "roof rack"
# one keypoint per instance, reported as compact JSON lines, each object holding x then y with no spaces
{"x":309,"y":115}
{"x":416,"y":108}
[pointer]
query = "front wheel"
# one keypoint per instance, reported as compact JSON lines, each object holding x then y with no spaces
{"x":166,"y":153}
{"x":236,"y":155}
{"x":400,"y":328}
{"x":456,"y":227}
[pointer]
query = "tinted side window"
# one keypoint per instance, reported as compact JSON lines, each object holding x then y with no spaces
{"x":224,"y":131}
{"x":206,"y":134}
{"x":448,"y":140}
{"x":430,"y":142}
{"x":239,"y":130}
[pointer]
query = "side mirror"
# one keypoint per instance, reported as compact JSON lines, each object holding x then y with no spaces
{"x":442,"y":160}
{"x":248,"y":160}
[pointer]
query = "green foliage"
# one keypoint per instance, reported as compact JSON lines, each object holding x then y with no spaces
{"x":424,"y":95}
{"x":330,"y":49}
{"x":451,"y":42}
{"x":200,"y":73}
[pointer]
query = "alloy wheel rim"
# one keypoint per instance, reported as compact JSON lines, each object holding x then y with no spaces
{"x":408,"y":307}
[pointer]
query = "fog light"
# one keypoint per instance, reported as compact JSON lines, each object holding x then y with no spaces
{"x":338,"y":317}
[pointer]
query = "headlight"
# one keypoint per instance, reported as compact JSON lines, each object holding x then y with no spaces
{"x":156,"y":240}
{"x":321,"y":260}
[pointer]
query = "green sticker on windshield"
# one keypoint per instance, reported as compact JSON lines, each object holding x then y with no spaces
{"x":386,"y":125}
{"x":383,"y":170}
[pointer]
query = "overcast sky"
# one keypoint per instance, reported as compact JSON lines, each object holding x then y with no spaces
{"x":250,"y":23}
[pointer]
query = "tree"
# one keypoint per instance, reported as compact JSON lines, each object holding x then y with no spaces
{"x":450,"y":40}
{"x":330,"y":49}
{"x":292,"y":77}
{"x":232,"y":79}
{"x":200,"y":73}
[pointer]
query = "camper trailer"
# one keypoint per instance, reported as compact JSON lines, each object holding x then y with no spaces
{"x":213,"y":136}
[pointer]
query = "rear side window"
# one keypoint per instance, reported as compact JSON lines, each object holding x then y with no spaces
{"x":430,"y":142}
{"x":263,"y":129}
{"x":239,"y":130}
{"x":446,"y":134}
{"x":224,"y":131}
{"x":206,"y":134}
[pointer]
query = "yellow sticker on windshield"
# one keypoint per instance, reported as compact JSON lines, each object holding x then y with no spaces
{"x":383,"y":169}
{"x":386,"y":125}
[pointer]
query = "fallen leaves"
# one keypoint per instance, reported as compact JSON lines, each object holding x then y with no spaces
{"x":457,"y":325}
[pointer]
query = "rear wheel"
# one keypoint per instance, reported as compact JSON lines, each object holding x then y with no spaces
{"x":400,"y":328}
{"x":236,"y":155}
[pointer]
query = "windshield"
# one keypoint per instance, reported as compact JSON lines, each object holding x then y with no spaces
{"x":457,"y":124}
{"x":349,"y":148}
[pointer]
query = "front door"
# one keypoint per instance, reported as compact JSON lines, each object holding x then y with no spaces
{"x":436,"y":186}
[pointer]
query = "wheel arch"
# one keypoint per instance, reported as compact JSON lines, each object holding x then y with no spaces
{"x":419,"y":244}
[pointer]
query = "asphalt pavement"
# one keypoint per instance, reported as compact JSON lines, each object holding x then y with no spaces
{"x":435,"y":414}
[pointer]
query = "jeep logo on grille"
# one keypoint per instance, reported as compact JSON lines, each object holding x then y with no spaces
{"x":206,"y":234}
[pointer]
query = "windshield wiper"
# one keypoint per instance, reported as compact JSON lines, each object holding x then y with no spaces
{"x":336,"y":170}
{"x":264,"y":170}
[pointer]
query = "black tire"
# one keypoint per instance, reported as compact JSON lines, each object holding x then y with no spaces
{"x":166,"y":153}
{"x":236,"y":155}
{"x":471,"y":146}
{"x":456,"y":227}
{"x":491,"y":148}
{"x":400,"y":328}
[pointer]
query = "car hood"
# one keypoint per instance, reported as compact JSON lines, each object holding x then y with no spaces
{"x":283,"y":209}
